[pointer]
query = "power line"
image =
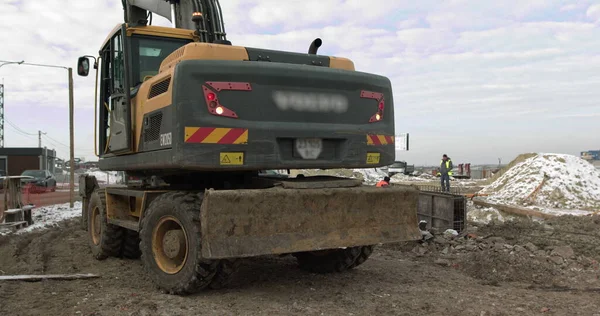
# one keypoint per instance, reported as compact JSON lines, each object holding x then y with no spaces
{"x":56,"y":142}
{"x":18,"y":129}
{"x":21,"y":133}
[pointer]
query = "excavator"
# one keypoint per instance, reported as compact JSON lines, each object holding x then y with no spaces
{"x":192,"y":120}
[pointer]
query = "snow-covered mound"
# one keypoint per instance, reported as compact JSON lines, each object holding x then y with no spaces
{"x":548,"y":180}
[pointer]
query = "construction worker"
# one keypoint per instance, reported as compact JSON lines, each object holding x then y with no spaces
{"x":384,"y":183}
{"x":445,"y":172}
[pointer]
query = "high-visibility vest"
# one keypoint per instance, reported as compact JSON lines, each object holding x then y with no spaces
{"x":447,"y":166}
{"x":382,"y":184}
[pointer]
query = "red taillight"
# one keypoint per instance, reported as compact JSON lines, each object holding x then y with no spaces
{"x":211,"y":98}
{"x":381,"y":106}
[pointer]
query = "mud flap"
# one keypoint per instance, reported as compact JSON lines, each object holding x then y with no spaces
{"x":244,"y":223}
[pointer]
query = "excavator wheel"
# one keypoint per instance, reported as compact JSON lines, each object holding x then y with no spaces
{"x":328,"y":261}
{"x":365,"y":253}
{"x":105,"y":239}
{"x":131,"y":244}
{"x":170,"y":244}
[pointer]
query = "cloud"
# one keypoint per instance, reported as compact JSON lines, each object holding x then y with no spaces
{"x":593,"y":12}
{"x":466,"y":71}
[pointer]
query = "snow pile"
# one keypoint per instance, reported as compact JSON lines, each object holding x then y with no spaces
{"x":556,"y":181}
{"x":423,"y":177}
{"x":49,"y":216}
{"x":370,"y":176}
{"x":486,"y":215}
{"x":108,"y":177}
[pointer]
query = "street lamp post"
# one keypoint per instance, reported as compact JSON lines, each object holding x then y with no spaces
{"x":10,"y":62}
{"x":71,"y":107}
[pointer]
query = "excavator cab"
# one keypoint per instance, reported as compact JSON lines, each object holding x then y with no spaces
{"x":128,"y":57}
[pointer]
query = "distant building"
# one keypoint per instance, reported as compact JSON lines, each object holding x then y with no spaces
{"x":18,"y":159}
{"x":590,"y":155}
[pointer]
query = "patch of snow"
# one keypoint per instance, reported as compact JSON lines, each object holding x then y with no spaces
{"x":423,"y":177}
{"x":108,"y":177}
{"x":485,"y":215}
{"x":371,"y":176}
{"x":571,"y":184}
{"x":49,"y":216}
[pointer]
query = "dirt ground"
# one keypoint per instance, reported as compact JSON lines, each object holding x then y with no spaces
{"x":484,"y":273}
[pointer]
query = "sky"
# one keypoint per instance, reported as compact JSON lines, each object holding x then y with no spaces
{"x":477,"y":80}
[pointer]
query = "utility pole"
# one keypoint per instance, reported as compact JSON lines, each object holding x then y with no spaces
{"x":71,"y":134}
{"x":2,"y":114}
{"x":40,"y":139}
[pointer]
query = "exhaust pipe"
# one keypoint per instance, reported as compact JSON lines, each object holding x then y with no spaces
{"x":314,"y":46}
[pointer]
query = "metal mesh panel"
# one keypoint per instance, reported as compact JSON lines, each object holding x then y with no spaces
{"x":152,"y":131}
{"x":159,"y":88}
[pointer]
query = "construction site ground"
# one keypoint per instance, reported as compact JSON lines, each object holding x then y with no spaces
{"x":517,"y":268}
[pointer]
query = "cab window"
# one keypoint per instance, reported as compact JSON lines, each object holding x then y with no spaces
{"x":148,"y":52}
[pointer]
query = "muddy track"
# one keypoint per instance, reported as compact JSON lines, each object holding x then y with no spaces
{"x":394,"y":281}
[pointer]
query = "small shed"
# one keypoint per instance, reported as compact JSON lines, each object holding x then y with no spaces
{"x":15,"y":160}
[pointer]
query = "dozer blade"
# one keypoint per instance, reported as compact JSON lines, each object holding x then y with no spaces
{"x":244,"y":223}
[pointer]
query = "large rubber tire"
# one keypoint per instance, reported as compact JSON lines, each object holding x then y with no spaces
{"x":192,"y":273}
{"x":131,"y":244}
{"x":109,"y":241}
{"x":328,"y":261}
{"x":365,"y":253}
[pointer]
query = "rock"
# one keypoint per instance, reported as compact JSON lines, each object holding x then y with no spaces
{"x":556,"y":259}
{"x":441,"y":241}
{"x":540,"y":253}
{"x":565,"y":252}
{"x":496,"y":240}
{"x":471,"y":247}
{"x":472,"y":229}
{"x":459,"y":247}
{"x":499,"y":247}
{"x":520,"y":249}
{"x":445,"y":251}
{"x":450,"y":233}
{"x":426,"y":235}
{"x":443,"y":262}
{"x":531,"y":247}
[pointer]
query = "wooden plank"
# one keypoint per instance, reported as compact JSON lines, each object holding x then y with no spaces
{"x":514,"y":209}
{"x":472,"y":195}
{"x":13,"y":226}
{"x":47,"y":277}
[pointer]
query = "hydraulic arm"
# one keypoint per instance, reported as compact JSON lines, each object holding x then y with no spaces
{"x":203,"y":16}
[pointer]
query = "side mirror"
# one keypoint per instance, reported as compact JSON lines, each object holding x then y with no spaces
{"x":83,"y":66}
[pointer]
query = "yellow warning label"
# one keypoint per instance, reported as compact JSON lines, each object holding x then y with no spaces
{"x":232,"y":159}
{"x":373,"y":158}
